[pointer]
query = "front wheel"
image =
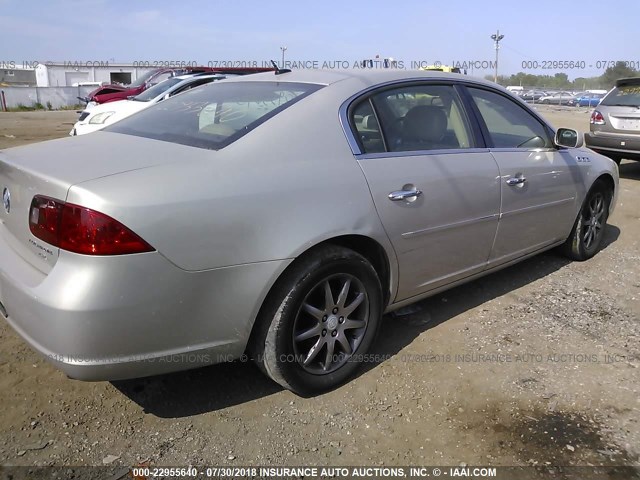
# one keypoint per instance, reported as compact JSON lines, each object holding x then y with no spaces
{"x":319,"y":321}
{"x":588,"y":230}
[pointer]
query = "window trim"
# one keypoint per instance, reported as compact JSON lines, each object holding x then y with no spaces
{"x":479,"y":120}
{"x":354,"y":129}
{"x":476,"y":139}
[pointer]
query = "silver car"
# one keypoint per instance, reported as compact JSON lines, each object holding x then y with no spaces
{"x":615,"y":123}
{"x":280,"y":216}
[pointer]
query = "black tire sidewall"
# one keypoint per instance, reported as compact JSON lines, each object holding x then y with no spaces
{"x":279,"y":351}
{"x":579,"y":251}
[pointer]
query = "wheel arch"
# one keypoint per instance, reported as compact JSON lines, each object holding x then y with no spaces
{"x":608,"y":180}
{"x":369,"y":248}
{"x":372,"y":251}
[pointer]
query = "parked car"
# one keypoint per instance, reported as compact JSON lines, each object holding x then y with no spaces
{"x":532,"y":95}
{"x":102,"y":115}
{"x":573,"y":101}
{"x":615,"y":123}
{"x":114,"y":92}
{"x":281,"y":215}
{"x":558,"y":98}
{"x":589,"y":100}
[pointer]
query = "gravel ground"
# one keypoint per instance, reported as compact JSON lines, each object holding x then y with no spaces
{"x":534,"y":365}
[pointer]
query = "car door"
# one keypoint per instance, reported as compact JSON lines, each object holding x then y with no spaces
{"x":537,"y":185}
{"x":437,"y":195}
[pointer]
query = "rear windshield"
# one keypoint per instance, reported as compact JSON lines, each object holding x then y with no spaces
{"x":214,"y":115}
{"x":624,"y":96}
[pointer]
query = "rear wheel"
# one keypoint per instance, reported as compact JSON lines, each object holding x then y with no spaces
{"x":319,"y":320}
{"x":588,"y":231}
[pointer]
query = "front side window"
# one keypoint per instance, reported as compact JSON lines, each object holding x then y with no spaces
{"x":215,"y":115}
{"x":509,"y":125}
{"x":422,"y":117}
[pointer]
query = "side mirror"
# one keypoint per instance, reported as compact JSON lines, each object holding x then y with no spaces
{"x":166,"y":96}
{"x":569,"y":138}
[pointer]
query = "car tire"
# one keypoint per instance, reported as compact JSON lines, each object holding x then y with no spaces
{"x":588,"y":230}
{"x":319,"y":320}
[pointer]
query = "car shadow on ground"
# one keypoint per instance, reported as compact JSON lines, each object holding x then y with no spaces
{"x":399,"y":331}
{"x":220,"y":386}
{"x":630,"y":170}
{"x":193,"y":392}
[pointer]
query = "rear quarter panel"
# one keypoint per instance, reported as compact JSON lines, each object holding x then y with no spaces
{"x":281,"y":189}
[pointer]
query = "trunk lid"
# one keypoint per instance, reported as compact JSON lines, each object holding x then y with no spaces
{"x":51,"y":168}
{"x":623,"y":119}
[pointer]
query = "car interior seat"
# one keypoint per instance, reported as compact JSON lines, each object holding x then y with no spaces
{"x":424,"y":127}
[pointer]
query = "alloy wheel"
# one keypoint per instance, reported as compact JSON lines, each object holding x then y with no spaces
{"x":330,"y":324}
{"x":593,"y":219}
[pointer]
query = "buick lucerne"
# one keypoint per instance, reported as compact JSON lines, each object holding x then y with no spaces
{"x":281,"y":215}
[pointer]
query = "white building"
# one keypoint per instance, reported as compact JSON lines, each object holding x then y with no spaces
{"x":61,"y":74}
{"x":15,"y":74}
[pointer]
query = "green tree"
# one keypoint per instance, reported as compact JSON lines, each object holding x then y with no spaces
{"x":620,"y":70}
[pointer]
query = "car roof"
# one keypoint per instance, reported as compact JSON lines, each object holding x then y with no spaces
{"x":366,"y":76}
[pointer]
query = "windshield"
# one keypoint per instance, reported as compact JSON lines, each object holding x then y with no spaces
{"x":625,"y":96}
{"x":143,"y":78}
{"x":158,"y":89}
{"x":215,"y":115}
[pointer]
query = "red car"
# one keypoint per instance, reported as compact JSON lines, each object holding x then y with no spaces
{"x":112,"y":92}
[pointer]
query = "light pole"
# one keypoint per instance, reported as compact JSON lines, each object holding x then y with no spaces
{"x":284,"y":49}
{"x":496,"y":37}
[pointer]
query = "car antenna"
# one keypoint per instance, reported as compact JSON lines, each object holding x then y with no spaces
{"x":279,"y":71}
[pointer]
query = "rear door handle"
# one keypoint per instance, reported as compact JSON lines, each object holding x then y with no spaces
{"x":399,"y":195}
{"x":516,"y":181}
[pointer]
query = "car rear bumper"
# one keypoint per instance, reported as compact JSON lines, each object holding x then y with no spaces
{"x":110,"y":318}
{"x":625,"y":146}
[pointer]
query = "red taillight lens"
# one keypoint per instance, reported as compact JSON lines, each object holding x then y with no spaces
{"x":44,"y":218}
{"x":597,"y":118}
{"x":81,"y":230}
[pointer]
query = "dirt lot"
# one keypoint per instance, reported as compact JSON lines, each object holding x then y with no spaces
{"x":537,"y":364}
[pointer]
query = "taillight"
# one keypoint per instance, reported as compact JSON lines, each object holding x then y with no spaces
{"x":81,"y":230}
{"x":597,"y":118}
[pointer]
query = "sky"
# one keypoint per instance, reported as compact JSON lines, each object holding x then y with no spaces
{"x":414,"y":32}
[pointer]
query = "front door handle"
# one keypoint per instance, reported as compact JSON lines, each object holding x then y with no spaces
{"x":399,"y":195}
{"x":519,"y":180}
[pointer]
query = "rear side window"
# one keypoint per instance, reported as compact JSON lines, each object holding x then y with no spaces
{"x":215,"y":115}
{"x":422,"y":117}
{"x":412,"y":118}
{"x":509,"y":125}
{"x":624,"y":96}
